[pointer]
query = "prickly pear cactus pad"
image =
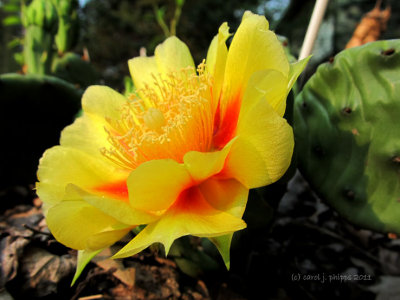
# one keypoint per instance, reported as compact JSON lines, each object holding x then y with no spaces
{"x":347,"y":134}
{"x":34,"y":109}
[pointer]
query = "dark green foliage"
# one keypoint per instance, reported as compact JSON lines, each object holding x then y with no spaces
{"x":347,"y":134}
{"x":115,"y":30}
{"x":188,"y":256}
{"x":72,"y":68}
{"x":8,"y":35}
{"x":34,"y":109}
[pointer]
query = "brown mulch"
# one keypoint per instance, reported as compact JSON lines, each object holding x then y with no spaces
{"x":308,"y":252}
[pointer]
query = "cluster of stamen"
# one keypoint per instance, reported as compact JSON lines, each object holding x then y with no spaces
{"x":173,"y":116}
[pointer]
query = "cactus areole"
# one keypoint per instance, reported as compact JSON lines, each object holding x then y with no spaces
{"x":347,"y":134}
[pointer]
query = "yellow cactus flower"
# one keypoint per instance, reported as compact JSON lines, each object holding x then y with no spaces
{"x":181,"y":154}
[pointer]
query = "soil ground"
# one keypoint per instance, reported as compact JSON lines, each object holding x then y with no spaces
{"x":308,"y":252}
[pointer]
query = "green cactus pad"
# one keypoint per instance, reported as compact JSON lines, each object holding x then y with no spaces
{"x":34,"y":109}
{"x":347,"y":134}
{"x":72,"y":68}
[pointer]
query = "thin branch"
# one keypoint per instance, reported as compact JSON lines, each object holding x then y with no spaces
{"x":34,"y":230}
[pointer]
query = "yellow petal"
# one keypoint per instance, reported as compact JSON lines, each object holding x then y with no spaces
{"x":143,"y":71}
{"x":101,"y":101}
{"x":268,"y":84}
{"x":156,"y":184}
{"x":173,"y":55}
{"x":119,"y":210}
{"x":61,"y":166}
{"x":170,"y":56}
{"x":253,"y":48}
{"x":106,"y":238}
{"x":227,"y":195}
{"x":202,"y":165}
{"x":263,"y":149}
{"x":87,"y":135}
{"x":193,"y":215}
{"x":216,"y":58}
{"x":80,"y":226}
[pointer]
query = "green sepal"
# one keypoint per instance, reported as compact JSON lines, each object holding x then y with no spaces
{"x":295,"y":70}
{"x":223,"y":244}
{"x":129,"y":86}
{"x":84,"y":257}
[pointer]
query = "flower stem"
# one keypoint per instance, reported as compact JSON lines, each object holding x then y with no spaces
{"x":177,"y":15}
{"x":159,"y":13}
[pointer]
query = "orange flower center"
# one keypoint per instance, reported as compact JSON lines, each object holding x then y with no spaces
{"x":170,"y":118}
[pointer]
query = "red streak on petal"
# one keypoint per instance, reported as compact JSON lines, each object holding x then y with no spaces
{"x":225,"y":128}
{"x":191,"y":200}
{"x":217,"y":117}
{"x":118,"y":190}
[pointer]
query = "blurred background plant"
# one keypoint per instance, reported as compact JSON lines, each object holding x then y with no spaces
{"x":52,"y":50}
{"x":114,"y":31}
